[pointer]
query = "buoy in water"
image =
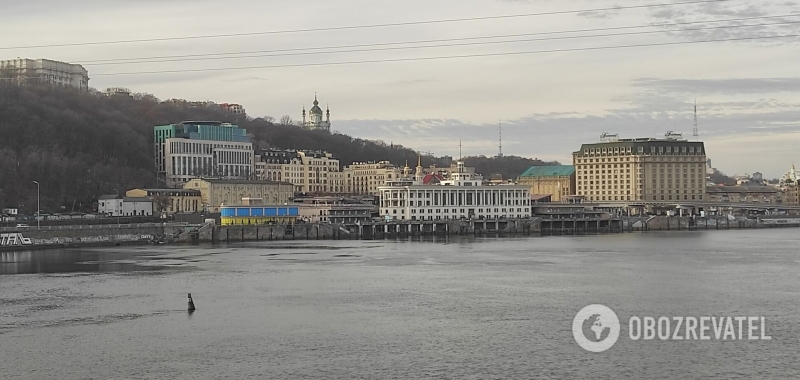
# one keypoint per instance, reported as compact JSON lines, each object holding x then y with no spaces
{"x":191,"y":303}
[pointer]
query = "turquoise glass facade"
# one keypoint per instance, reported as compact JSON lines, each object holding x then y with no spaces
{"x":200,"y":130}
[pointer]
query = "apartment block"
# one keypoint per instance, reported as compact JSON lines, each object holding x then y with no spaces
{"x":45,"y":71}
{"x":311,"y":172}
{"x":364,"y":178}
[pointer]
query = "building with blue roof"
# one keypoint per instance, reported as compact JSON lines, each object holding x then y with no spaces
{"x":555,"y":180}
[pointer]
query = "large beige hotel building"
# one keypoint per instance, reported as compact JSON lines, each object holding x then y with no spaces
{"x":642,"y":170}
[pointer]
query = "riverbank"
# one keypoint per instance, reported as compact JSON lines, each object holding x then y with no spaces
{"x":170,"y":233}
{"x":82,"y":236}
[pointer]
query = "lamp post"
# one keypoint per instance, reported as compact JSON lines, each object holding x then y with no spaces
{"x":38,"y":207}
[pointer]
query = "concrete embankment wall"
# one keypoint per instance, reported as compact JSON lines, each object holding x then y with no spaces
{"x":323,"y":231}
{"x":72,"y":236}
{"x":34,"y":238}
{"x":673,"y":223}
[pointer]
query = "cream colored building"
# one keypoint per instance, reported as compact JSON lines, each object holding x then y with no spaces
{"x":310,"y":172}
{"x":48,"y":71}
{"x":557,"y":181}
{"x":364,"y":178}
{"x":216,"y":192}
{"x":170,"y":201}
{"x":643,"y":169}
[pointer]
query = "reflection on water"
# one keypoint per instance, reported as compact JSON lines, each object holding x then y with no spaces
{"x":72,"y":261}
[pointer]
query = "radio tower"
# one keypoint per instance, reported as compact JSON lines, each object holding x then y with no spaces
{"x":500,"y":131}
{"x":695,"y":134}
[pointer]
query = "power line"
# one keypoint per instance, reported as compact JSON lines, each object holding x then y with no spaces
{"x":92,"y":62}
{"x":441,"y":21}
{"x":450,"y":56}
{"x":443,"y":45}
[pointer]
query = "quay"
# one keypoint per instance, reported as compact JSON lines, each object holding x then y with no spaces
{"x":569,"y":224}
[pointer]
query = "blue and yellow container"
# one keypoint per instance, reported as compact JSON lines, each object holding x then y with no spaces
{"x":251,"y":215}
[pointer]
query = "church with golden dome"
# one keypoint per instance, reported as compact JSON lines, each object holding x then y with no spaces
{"x":315,"y":120}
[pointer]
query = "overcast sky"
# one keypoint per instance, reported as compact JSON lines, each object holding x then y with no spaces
{"x":747,"y":91}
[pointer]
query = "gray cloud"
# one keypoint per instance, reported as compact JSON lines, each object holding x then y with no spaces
{"x":727,"y":127}
{"x":707,"y":14}
{"x":729,"y":86}
{"x":245,"y":79}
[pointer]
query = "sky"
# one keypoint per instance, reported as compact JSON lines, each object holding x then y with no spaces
{"x":554,"y":74}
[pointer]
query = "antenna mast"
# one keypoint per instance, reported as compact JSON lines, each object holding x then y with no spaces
{"x":459,"y":150}
{"x":500,"y":132}
{"x":695,"y":133}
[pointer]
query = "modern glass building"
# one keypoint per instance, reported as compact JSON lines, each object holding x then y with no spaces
{"x":202,"y":148}
{"x":201,"y":130}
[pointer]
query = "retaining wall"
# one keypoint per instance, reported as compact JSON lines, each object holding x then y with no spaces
{"x":97,"y":235}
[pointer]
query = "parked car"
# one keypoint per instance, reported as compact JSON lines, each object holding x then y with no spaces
{"x":22,"y":225}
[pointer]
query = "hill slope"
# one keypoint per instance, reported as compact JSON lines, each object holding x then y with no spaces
{"x":82,"y":145}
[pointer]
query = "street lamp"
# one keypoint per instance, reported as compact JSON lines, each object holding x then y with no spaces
{"x":38,"y":207}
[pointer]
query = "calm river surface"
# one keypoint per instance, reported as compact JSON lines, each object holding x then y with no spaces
{"x":484,"y":308}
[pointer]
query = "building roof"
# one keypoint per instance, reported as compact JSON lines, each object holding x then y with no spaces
{"x":549,"y":171}
{"x":539,"y":197}
{"x":644,"y":143}
{"x":241,"y":182}
{"x":136,"y":199}
{"x":430,"y":179}
{"x":109,"y":196}
{"x":167,"y":191}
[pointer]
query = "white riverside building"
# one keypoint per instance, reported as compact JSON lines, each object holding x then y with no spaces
{"x":462,"y":196}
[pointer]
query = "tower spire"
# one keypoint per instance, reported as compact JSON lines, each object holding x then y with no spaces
{"x":459,"y":150}
{"x":500,"y":133}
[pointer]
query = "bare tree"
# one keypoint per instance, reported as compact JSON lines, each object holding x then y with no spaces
{"x":269,"y":119}
{"x":161,"y":202}
{"x":286,"y":120}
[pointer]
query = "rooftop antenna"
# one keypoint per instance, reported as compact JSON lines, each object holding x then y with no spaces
{"x":500,"y":131}
{"x":695,"y":133}
{"x":459,"y":150}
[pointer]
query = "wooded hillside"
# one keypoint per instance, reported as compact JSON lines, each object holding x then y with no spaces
{"x":79,"y":146}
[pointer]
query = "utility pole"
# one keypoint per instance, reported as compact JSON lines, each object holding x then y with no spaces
{"x":38,"y":206}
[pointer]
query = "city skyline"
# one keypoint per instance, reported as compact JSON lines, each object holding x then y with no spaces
{"x":549,"y":103}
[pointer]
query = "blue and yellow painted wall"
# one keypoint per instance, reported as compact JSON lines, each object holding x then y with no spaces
{"x":250,"y":215}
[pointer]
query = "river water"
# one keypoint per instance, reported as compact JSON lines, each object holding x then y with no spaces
{"x":485,"y":308}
